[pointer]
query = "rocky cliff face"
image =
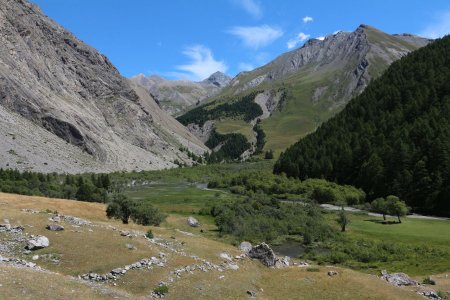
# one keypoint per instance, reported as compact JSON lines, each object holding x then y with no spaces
{"x":355,"y":53}
{"x":175,"y":96}
{"x":66,"y":108}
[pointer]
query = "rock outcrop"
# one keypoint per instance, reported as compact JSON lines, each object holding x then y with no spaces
{"x":398,"y":279}
{"x":264,"y":253}
{"x":55,"y":227}
{"x":193,"y":222}
{"x":37,"y":242}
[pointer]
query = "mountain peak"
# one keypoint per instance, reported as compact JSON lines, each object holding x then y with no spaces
{"x":218,"y":79}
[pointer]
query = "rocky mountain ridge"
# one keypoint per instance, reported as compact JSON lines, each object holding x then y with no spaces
{"x":316,"y":81}
{"x":66,"y":108}
{"x":175,"y":96}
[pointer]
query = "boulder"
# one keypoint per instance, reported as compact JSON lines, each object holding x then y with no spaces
{"x":37,"y":242}
{"x":264,"y":253}
{"x":55,"y":227}
{"x":398,"y":279}
{"x":124,"y":233}
{"x":251,"y":293}
{"x":245,"y":247}
{"x":193,"y":222}
{"x":332,"y":273}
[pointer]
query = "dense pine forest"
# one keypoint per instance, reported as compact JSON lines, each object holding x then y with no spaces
{"x":392,"y":139}
{"x":244,"y":108}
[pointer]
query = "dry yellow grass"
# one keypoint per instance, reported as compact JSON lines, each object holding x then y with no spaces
{"x":104,"y":249}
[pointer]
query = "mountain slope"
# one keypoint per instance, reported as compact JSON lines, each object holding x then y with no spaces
{"x":392,"y":139}
{"x":66,"y":108}
{"x":175,"y":96}
{"x":301,"y":89}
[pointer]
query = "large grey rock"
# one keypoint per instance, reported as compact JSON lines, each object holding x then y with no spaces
{"x":245,"y":247}
{"x":37,"y":242}
{"x":264,"y":253}
{"x":193,"y":222}
{"x":398,"y":279}
{"x":55,"y":227}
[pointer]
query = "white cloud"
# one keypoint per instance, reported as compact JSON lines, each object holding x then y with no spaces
{"x":245,"y":67}
{"x":252,"y":7}
{"x":439,"y":28}
{"x":307,"y":19}
{"x":301,"y":37}
{"x":320,"y":38}
{"x":201,"y":64}
{"x":256,"y":36}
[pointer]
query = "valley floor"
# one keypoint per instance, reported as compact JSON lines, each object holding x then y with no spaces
{"x":99,"y":247}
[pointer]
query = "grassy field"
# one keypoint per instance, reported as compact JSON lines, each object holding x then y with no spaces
{"x":81,"y":250}
{"x":235,"y":126}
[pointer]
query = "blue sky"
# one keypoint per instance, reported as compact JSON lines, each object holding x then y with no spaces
{"x":190,"y":39}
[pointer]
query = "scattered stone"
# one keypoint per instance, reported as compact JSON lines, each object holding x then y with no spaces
{"x":124,"y":233}
{"x":398,"y":279}
{"x":74,"y":220}
{"x":264,"y":253}
{"x":5,"y":226}
{"x":56,"y":219}
{"x":131,"y":247}
{"x":303,"y":264}
{"x":193,"y":222}
{"x":251,"y":293}
{"x":233,"y":266}
{"x":221,"y":276}
{"x":35,"y":257}
{"x":283,"y":263}
{"x":226,"y":256}
{"x":245,"y":247}
{"x":55,"y":227}
{"x":430,"y":295}
{"x":332,"y":273}
{"x":37,"y":242}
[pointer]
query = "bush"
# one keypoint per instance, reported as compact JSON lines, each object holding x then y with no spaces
{"x":147,"y":214}
{"x":149,"y":234}
{"x":161,"y":290}
{"x":429,"y":281}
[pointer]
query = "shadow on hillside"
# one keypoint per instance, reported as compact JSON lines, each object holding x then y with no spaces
{"x":382,"y":222}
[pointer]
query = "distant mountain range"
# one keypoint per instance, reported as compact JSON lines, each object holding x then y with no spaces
{"x":301,"y":89}
{"x":175,"y":96}
{"x":64,"y":107}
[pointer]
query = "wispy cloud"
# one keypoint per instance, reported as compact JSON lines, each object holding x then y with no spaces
{"x":299,"y":38}
{"x":439,"y":27}
{"x":307,"y":19}
{"x":256,"y":36}
{"x":201,"y":64}
{"x":252,"y":7}
{"x":245,"y":67}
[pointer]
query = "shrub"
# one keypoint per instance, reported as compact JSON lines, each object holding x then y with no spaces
{"x":429,"y":281}
{"x":161,"y":290}
{"x":149,"y":234}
